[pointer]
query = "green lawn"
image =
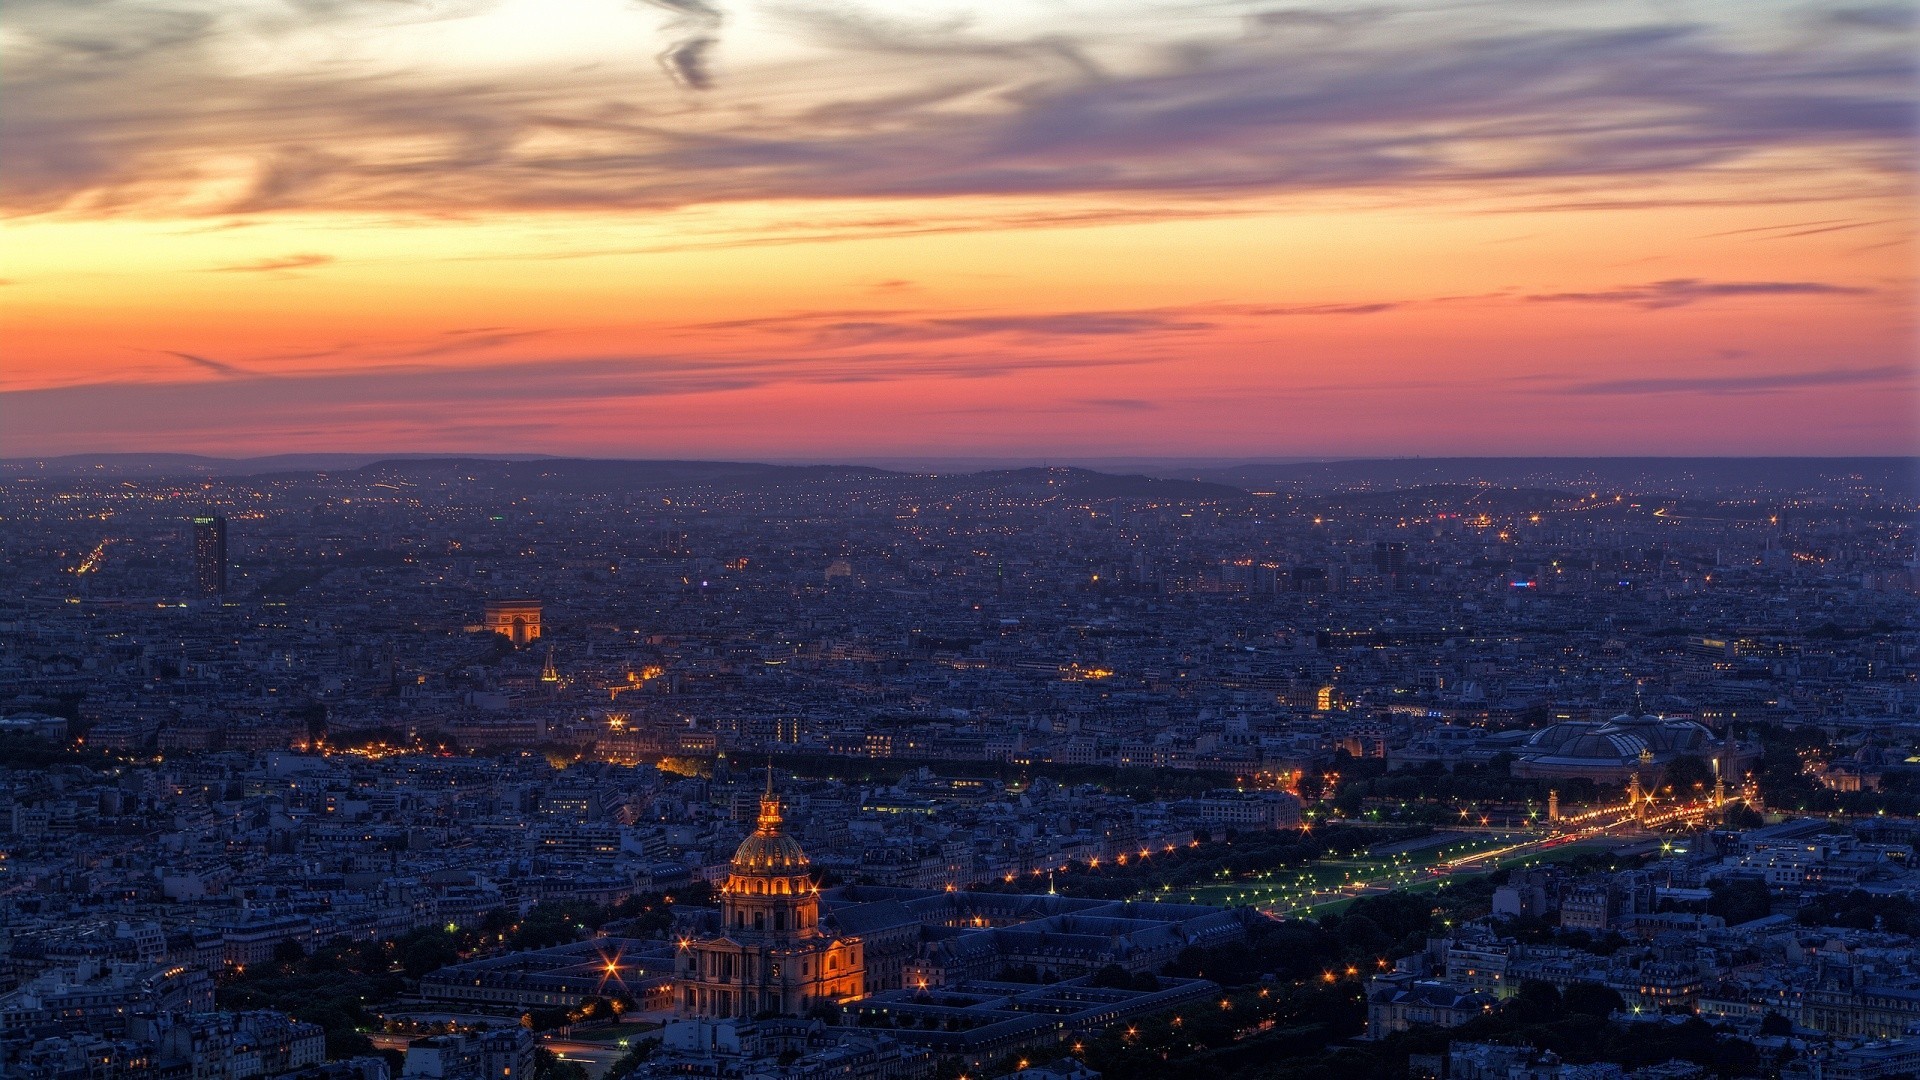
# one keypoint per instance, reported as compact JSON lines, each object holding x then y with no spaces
{"x":612,"y":1034}
{"x":1292,"y":889}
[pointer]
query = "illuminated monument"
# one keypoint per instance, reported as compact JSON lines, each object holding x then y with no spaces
{"x":769,"y":955}
{"x":519,"y":620}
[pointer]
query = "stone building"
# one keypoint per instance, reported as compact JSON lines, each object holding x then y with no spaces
{"x":770,"y":956}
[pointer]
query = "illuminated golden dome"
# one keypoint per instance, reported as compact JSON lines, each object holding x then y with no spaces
{"x":769,"y":850}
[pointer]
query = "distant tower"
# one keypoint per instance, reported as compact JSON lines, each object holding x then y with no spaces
{"x":210,"y":555}
{"x":518,"y":620}
{"x":1553,"y":805}
{"x":549,"y":674}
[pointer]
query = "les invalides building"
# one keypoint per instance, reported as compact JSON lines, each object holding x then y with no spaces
{"x":770,"y":955}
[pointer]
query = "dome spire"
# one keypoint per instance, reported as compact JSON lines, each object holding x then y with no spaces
{"x":770,"y":849}
{"x":769,"y":823}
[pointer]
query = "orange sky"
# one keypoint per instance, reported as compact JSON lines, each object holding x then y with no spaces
{"x":1112,"y":229}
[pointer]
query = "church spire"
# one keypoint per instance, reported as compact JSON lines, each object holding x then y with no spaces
{"x":769,"y":823}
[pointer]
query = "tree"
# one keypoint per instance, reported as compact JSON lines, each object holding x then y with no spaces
{"x":430,"y":952}
{"x":288,"y":954}
{"x":1537,"y":1003}
{"x":1739,"y":900}
{"x":548,"y":1066}
{"x":1295,"y":949}
{"x":1361,"y":937}
{"x":1399,"y":914}
{"x":314,"y":716}
{"x":1686,"y":775}
{"x":1112,"y":977}
{"x":1592,"y":999}
{"x":630,"y":1062}
{"x":1775,"y":1024}
{"x":346,"y":1043}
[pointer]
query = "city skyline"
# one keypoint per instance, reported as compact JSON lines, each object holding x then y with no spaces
{"x":946,"y":539}
{"x":467,"y":769}
{"x":777,"y":231}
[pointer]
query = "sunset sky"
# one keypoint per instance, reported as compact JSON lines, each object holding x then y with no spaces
{"x":816,"y":230}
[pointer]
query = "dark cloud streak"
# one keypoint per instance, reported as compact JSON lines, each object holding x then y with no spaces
{"x":1745,"y":384}
{"x":1679,"y":292}
{"x":224,"y":370}
{"x":557,"y":379}
{"x":695,"y":30}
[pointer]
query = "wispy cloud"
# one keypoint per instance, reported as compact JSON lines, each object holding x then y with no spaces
{"x":462,"y":342}
{"x":848,"y":28}
{"x":834,"y":328}
{"x":1374,"y":308}
{"x":1679,"y":292}
{"x":1759,"y":383}
{"x":119,"y":106}
{"x":552,"y":379}
{"x":342,"y":407}
{"x":1792,"y":230}
{"x":875,"y":325}
{"x":1070,"y":324}
{"x":271,"y":266}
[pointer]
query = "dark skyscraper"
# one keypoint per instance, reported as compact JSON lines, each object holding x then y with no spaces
{"x":210,"y":555}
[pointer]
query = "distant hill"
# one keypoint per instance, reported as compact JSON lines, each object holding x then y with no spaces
{"x":600,"y":473}
{"x":591,"y":474}
{"x":1088,"y":484}
{"x":156,"y":466}
{"x":1892,"y":476}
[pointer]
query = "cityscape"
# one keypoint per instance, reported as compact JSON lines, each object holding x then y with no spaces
{"x":959,"y":540}
{"x":469,"y":768}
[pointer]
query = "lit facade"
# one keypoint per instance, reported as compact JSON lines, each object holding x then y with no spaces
{"x":210,"y":555}
{"x":770,"y":956}
{"x":519,"y":620}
